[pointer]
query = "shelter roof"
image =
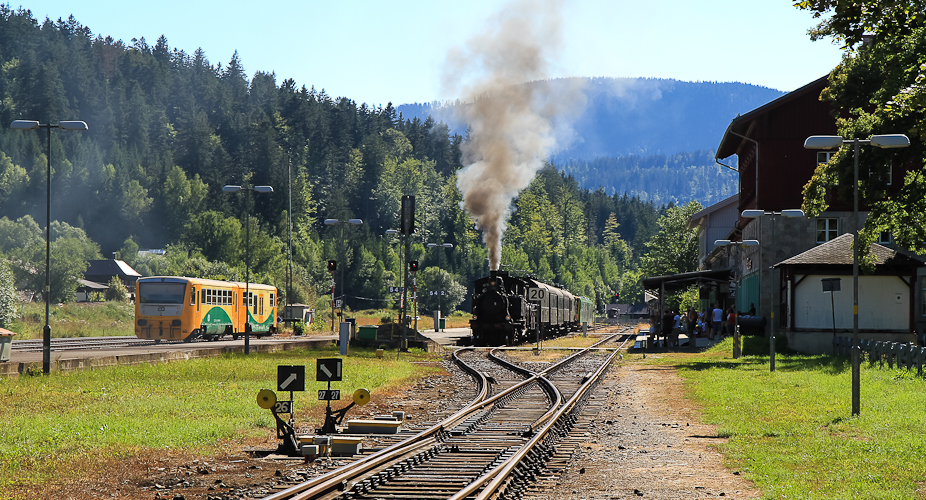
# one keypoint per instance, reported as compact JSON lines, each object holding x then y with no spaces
{"x":677,"y":282}
{"x":92,"y":285}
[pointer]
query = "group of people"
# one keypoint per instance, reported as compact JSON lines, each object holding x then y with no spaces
{"x":712,"y":322}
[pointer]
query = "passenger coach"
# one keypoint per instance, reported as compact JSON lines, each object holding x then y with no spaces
{"x":178,"y":308}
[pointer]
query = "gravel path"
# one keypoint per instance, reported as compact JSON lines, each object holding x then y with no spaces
{"x":647,"y":442}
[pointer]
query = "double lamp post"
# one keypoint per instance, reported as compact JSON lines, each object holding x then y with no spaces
{"x":32,"y":125}
{"x":887,"y":141}
{"x":247,"y":249}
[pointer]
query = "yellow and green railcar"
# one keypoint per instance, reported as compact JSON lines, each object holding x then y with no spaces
{"x":179,"y":308}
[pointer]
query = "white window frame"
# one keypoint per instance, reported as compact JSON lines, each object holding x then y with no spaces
{"x":830,"y":229}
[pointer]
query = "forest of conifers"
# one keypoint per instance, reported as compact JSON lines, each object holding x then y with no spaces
{"x":168,"y":129}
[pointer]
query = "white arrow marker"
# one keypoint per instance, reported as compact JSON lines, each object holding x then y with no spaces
{"x":324,"y":370}
{"x":292,"y":378}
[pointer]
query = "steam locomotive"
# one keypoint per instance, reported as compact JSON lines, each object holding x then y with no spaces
{"x":509,"y":310}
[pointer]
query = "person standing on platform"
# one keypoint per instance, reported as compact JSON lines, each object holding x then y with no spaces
{"x":717,"y":322}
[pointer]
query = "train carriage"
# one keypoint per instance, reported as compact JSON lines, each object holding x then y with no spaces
{"x":179,"y":308}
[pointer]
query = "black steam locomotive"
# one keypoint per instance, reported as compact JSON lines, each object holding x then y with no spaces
{"x":509,"y":310}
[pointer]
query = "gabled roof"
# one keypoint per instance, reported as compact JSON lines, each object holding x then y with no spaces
{"x":695,"y":219}
{"x":110,"y":267}
{"x":839,"y":252}
{"x":731,"y":141}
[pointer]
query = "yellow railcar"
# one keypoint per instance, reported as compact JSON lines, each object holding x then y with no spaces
{"x":178,"y":308}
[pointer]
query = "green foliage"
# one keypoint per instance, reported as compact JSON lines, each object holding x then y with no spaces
{"x":116,"y":291}
{"x":9,"y":298}
{"x":431,"y":282}
{"x":674,"y":249}
{"x":878,"y":88}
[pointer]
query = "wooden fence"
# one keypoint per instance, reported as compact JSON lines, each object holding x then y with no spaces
{"x":904,"y":355}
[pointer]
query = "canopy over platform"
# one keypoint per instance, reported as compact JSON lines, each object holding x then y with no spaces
{"x":677,"y":282}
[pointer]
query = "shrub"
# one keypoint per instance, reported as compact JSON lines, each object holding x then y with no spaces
{"x":117,"y":291}
{"x":298,"y":328}
{"x":9,"y":299}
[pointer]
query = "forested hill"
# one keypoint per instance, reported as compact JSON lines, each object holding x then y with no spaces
{"x":169,"y":128}
{"x":638,"y":116}
{"x":649,"y":138}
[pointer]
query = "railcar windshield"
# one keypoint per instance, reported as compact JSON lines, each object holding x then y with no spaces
{"x":161,"y":293}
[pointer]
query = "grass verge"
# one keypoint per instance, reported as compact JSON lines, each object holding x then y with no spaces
{"x":792,"y":431}
{"x":51,"y":422}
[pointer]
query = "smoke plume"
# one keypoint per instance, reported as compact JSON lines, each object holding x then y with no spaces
{"x":510,"y":120}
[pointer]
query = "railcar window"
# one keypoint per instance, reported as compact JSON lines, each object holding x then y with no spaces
{"x":271,"y":300}
{"x":192,"y":296}
{"x":161,"y":293}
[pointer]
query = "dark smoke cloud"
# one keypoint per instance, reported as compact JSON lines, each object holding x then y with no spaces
{"x":510,"y":121}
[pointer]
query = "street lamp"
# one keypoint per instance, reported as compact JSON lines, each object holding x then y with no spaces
{"x":247,"y":253}
{"x":32,"y":125}
{"x":330,"y":222}
{"x":439,"y":259}
{"x":737,"y":350}
{"x":790,"y":213}
{"x":886,"y":141}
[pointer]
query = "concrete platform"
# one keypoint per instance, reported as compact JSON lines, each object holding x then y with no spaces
{"x":97,"y":358}
{"x":449,"y":336}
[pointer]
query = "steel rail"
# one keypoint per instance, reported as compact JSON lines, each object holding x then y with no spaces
{"x":494,"y":479}
{"x":334,"y":479}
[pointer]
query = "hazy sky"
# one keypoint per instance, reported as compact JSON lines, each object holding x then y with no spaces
{"x":382,"y":51}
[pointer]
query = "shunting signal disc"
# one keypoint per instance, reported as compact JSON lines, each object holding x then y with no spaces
{"x":266,"y":399}
{"x":361,"y":396}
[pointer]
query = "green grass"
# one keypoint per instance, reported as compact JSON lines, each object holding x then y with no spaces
{"x":84,"y":319}
{"x":792,"y":431}
{"x":49,"y":422}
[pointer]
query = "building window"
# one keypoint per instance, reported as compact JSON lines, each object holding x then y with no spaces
{"x":884,"y":237}
{"x":827,"y":229}
{"x":824,"y":157}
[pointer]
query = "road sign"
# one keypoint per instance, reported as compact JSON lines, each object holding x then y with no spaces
{"x":329,"y":395}
{"x":535,"y":293}
{"x":337,"y":303}
{"x":328,"y":370}
{"x":291,"y":378}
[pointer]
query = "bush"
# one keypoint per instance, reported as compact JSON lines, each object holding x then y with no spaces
{"x":298,"y":328}
{"x":9,"y":298}
{"x":117,"y":291}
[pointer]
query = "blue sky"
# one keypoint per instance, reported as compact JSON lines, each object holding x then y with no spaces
{"x":379,"y":51}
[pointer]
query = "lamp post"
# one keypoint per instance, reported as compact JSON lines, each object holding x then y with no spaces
{"x":886,"y":141}
{"x":331,"y":222}
{"x":247,"y":253}
{"x":793,"y":212}
{"x":737,"y":349}
{"x":439,"y":259}
{"x":32,"y":125}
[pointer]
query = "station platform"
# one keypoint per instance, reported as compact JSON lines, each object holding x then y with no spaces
{"x":96,"y":358}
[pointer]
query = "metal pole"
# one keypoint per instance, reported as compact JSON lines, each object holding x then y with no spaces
{"x":46,"y":331}
{"x":856,"y":375}
{"x":736,"y":319}
{"x":247,"y":273}
{"x":289,"y":269}
{"x":343,"y":265}
{"x":771,"y":338}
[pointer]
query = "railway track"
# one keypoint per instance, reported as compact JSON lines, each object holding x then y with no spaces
{"x":494,"y":447}
{"x":80,"y":343}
